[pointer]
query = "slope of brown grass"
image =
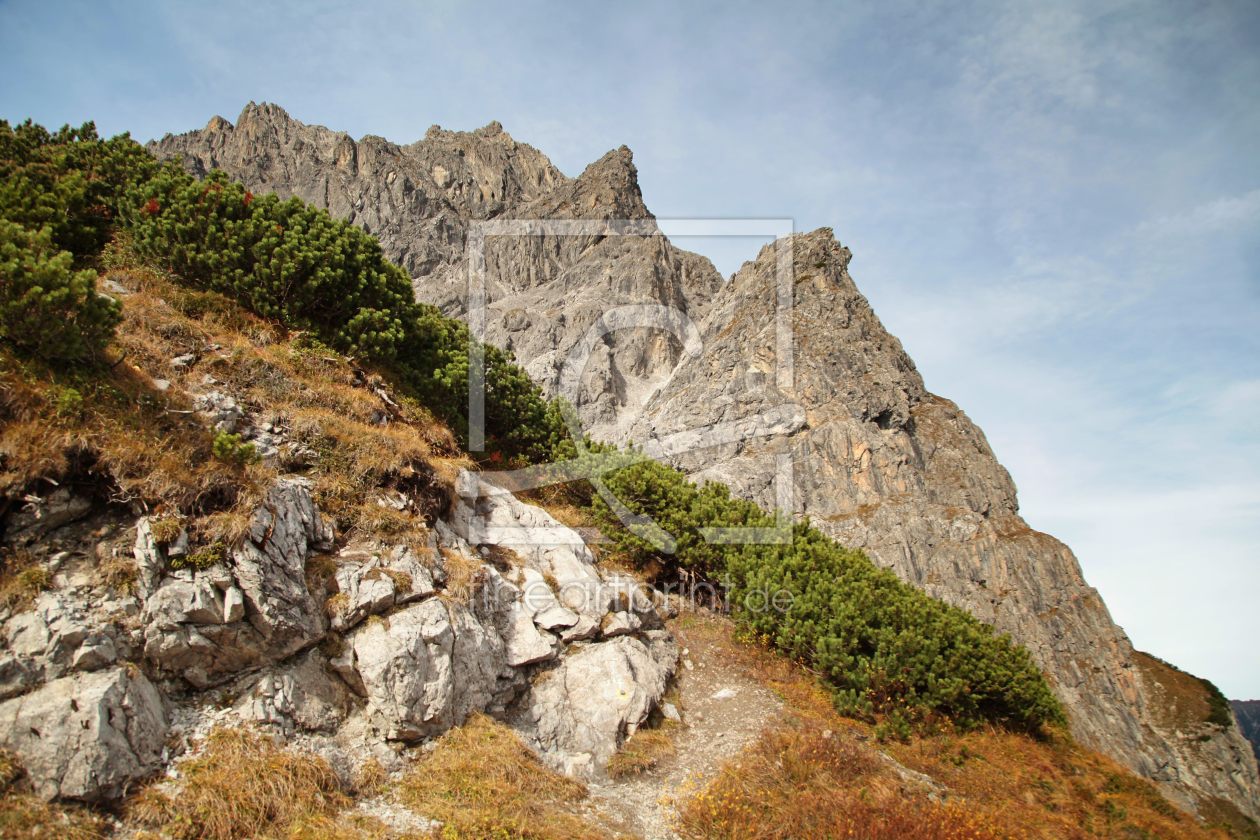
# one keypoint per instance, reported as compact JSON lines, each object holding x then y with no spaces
{"x":804,"y":783}
{"x":1183,"y":702}
{"x":24,"y":815}
{"x":796,"y":782}
{"x":117,"y":429}
{"x":242,"y":785}
{"x":482,"y":782}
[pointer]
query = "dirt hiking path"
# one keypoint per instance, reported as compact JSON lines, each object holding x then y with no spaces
{"x":723,"y":709}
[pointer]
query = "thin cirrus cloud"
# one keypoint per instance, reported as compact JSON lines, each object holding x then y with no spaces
{"x":1054,"y":205}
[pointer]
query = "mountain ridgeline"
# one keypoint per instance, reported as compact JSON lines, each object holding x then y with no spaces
{"x":852,"y":438}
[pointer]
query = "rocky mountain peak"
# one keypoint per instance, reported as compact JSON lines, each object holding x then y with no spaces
{"x":217,"y":123}
{"x":606,"y":189}
{"x":847,"y":433}
{"x":259,"y":120}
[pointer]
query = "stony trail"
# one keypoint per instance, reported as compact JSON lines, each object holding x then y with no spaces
{"x":723,"y":709}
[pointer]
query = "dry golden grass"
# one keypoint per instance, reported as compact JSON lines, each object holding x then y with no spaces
{"x":641,"y":752}
{"x":464,"y":575}
{"x":482,"y":782}
{"x":794,"y":783}
{"x":21,"y":579}
{"x":349,"y":826}
{"x":155,"y":452}
{"x":23,"y":815}
{"x":369,"y":778}
{"x":120,"y":426}
{"x":805,"y":783}
{"x":337,"y":605}
{"x":242,"y":785}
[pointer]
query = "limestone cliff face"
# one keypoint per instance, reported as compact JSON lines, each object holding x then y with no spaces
{"x":883,"y":465}
{"x":879,"y":462}
{"x":1247,"y":713}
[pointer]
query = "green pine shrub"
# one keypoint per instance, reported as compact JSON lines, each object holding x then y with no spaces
{"x":884,"y":647}
{"x":59,"y":197}
{"x":70,"y":182}
{"x":284,"y":260}
{"x":681,"y":508}
{"x":229,"y":449}
{"x":46,"y":307}
{"x":294,"y":263}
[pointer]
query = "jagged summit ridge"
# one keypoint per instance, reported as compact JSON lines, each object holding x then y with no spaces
{"x":879,"y":463}
{"x":415,"y":199}
{"x":419,"y":201}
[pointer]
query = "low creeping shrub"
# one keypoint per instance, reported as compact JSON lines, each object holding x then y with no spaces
{"x":884,"y":647}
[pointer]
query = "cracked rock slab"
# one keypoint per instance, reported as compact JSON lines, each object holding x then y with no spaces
{"x":87,"y":736}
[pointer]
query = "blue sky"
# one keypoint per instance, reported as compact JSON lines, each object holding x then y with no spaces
{"x":1055,"y":205}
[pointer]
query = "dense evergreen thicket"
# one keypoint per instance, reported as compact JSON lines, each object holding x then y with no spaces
{"x":47,"y":307}
{"x":58,"y":205}
{"x":69,"y":182}
{"x":882,"y":645}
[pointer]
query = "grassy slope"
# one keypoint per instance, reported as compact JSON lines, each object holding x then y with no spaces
{"x":796,"y":783}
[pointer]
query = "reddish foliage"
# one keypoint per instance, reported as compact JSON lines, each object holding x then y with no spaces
{"x":151,"y":208}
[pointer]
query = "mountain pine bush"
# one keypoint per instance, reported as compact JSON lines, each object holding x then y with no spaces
{"x":284,"y":260}
{"x":882,"y":645}
{"x":59,"y":198}
{"x":293,"y":262}
{"x":70,"y":182}
{"x":46,"y":307}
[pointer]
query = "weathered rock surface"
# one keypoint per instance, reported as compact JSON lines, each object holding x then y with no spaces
{"x":87,"y":736}
{"x":59,"y":634}
{"x":302,"y":695}
{"x":252,"y":609}
{"x":578,"y":714}
{"x":379,"y":583}
{"x":427,"y":667}
{"x":416,"y":199}
{"x":42,"y":514}
{"x":488,"y":515}
{"x":71,"y":627}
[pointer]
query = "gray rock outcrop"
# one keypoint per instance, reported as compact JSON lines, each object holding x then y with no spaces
{"x":87,"y":736}
{"x":251,"y":609}
{"x":427,"y":667}
{"x":371,"y":587}
{"x":578,"y":714}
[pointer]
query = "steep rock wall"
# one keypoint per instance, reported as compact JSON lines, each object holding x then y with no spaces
{"x":883,"y":465}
